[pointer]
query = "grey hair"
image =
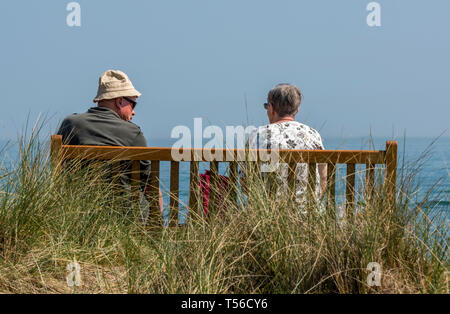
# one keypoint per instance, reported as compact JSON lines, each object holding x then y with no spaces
{"x":285,"y":99}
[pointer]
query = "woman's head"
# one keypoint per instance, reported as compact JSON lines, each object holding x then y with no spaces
{"x":285,"y":100}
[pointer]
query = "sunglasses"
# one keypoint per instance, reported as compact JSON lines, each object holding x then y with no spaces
{"x":266,"y":105}
{"x":133,"y":102}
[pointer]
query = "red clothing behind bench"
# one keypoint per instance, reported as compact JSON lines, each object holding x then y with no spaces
{"x":205,"y":187}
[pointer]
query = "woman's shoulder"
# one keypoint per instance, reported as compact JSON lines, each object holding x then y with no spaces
{"x":305,"y":128}
{"x":289,"y":126}
{"x":308,"y":134}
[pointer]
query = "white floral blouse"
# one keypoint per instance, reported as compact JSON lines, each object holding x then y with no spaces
{"x":289,"y":135}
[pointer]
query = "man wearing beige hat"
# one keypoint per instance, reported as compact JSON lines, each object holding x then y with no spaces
{"x":109,"y":124}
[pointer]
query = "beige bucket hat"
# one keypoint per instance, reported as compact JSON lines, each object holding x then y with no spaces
{"x":114,"y":84}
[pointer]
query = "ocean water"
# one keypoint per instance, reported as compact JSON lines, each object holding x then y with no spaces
{"x":432,"y":154}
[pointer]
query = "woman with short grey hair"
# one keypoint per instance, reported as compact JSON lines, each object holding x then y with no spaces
{"x":283,"y":132}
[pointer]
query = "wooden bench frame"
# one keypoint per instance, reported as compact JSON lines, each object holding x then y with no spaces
{"x":351,"y":158}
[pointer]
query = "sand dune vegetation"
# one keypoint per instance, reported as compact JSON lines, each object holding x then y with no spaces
{"x":262,"y":245}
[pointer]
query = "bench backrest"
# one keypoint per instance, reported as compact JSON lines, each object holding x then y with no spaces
{"x":350,"y":158}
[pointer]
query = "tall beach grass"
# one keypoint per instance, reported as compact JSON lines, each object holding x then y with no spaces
{"x":262,"y":245}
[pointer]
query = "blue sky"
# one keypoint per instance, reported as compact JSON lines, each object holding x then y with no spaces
{"x":203,"y":58}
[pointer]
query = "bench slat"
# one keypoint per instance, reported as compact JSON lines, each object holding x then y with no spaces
{"x":233,"y":183}
{"x":331,"y":189}
{"x":350,"y":190}
{"x":155,"y":216}
{"x":164,"y":154}
{"x":312,"y":179}
{"x":391,"y":173}
{"x":214,"y":185}
{"x":56,"y":152}
{"x":292,"y":178}
{"x":194,"y":189}
{"x":370,"y":180}
{"x":174,"y":191}
{"x":135,"y":181}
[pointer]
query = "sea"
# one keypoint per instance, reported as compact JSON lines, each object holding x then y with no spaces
{"x":427,"y":158}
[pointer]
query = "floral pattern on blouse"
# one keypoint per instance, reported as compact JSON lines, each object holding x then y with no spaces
{"x":289,"y":135}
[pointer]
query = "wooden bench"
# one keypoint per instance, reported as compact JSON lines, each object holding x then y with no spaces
{"x":350,"y":158}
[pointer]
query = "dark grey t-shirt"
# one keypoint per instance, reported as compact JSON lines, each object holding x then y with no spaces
{"x":102,"y":126}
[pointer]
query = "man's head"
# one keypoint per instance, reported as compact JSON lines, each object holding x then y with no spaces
{"x":115,"y":91}
{"x":123,"y":106}
{"x":283,"y":101}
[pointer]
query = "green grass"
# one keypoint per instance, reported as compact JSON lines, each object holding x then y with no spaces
{"x":264,"y":246}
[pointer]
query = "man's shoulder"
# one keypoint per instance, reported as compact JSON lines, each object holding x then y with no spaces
{"x":72,"y":116}
{"x":70,"y":121}
{"x":93,"y":117}
{"x":76,"y":117}
{"x":133,"y":125}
